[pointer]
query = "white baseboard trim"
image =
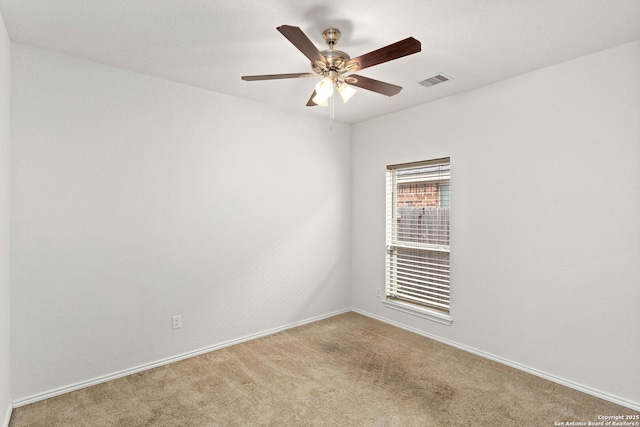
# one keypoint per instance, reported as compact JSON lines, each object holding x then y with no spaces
{"x":7,"y":415}
{"x":596,"y":393}
{"x":83,"y":384}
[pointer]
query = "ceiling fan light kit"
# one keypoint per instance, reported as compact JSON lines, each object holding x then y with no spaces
{"x":335,"y":66}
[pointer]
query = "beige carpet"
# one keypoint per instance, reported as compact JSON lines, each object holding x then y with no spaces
{"x":348,"y":370}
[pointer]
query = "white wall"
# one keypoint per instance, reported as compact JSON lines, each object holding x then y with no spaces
{"x":546,"y":208}
{"x":5,"y":119}
{"x":135,"y":199}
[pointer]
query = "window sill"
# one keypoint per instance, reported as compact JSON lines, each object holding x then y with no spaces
{"x":425,"y":313}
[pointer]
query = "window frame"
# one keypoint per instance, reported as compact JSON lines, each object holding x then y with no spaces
{"x":414,"y":308}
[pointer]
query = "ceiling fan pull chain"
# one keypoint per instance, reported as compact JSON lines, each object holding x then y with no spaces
{"x":331,"y":112}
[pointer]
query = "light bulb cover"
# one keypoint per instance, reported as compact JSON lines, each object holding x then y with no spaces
{"x":320,"y":100}
{"x":324,"y":88}
{"x":346,"y":92}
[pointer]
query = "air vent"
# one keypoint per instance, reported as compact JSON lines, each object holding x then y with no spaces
{"x":437,"y":79}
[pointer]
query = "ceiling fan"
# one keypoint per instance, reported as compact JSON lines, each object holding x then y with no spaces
{"x":336,"y":66}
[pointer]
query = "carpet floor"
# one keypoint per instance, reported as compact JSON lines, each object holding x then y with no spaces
{"x":348,"y":370}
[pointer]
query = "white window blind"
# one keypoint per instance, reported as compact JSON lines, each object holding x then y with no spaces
{"x":418,"y":230}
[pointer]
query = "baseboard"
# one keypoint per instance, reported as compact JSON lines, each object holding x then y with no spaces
{"x":83,"y":384}
{"x":596,"y":393}
{"x":7,"y":415}
{"x":77,"y":386}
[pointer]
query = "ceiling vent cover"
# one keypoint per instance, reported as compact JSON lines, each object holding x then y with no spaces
{"x":437,"y":79}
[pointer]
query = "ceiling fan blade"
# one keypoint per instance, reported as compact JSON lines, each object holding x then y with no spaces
{"x":373,"y":85}
{"x":277,"y":76}
{"x":302,"y":42}
{"x":396,"y":50}
{"x":310,"y":102}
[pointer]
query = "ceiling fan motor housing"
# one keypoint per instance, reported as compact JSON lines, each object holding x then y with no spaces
{"x":336,"y":59}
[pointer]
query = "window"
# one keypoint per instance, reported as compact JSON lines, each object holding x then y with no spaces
{"x":417,"y":239}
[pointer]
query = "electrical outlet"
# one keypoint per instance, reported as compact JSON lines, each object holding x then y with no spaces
{"x":378,"y":292}
{"x":176,"y":321}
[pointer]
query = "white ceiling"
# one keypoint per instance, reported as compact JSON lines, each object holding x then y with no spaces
{"x":211,"y":43}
